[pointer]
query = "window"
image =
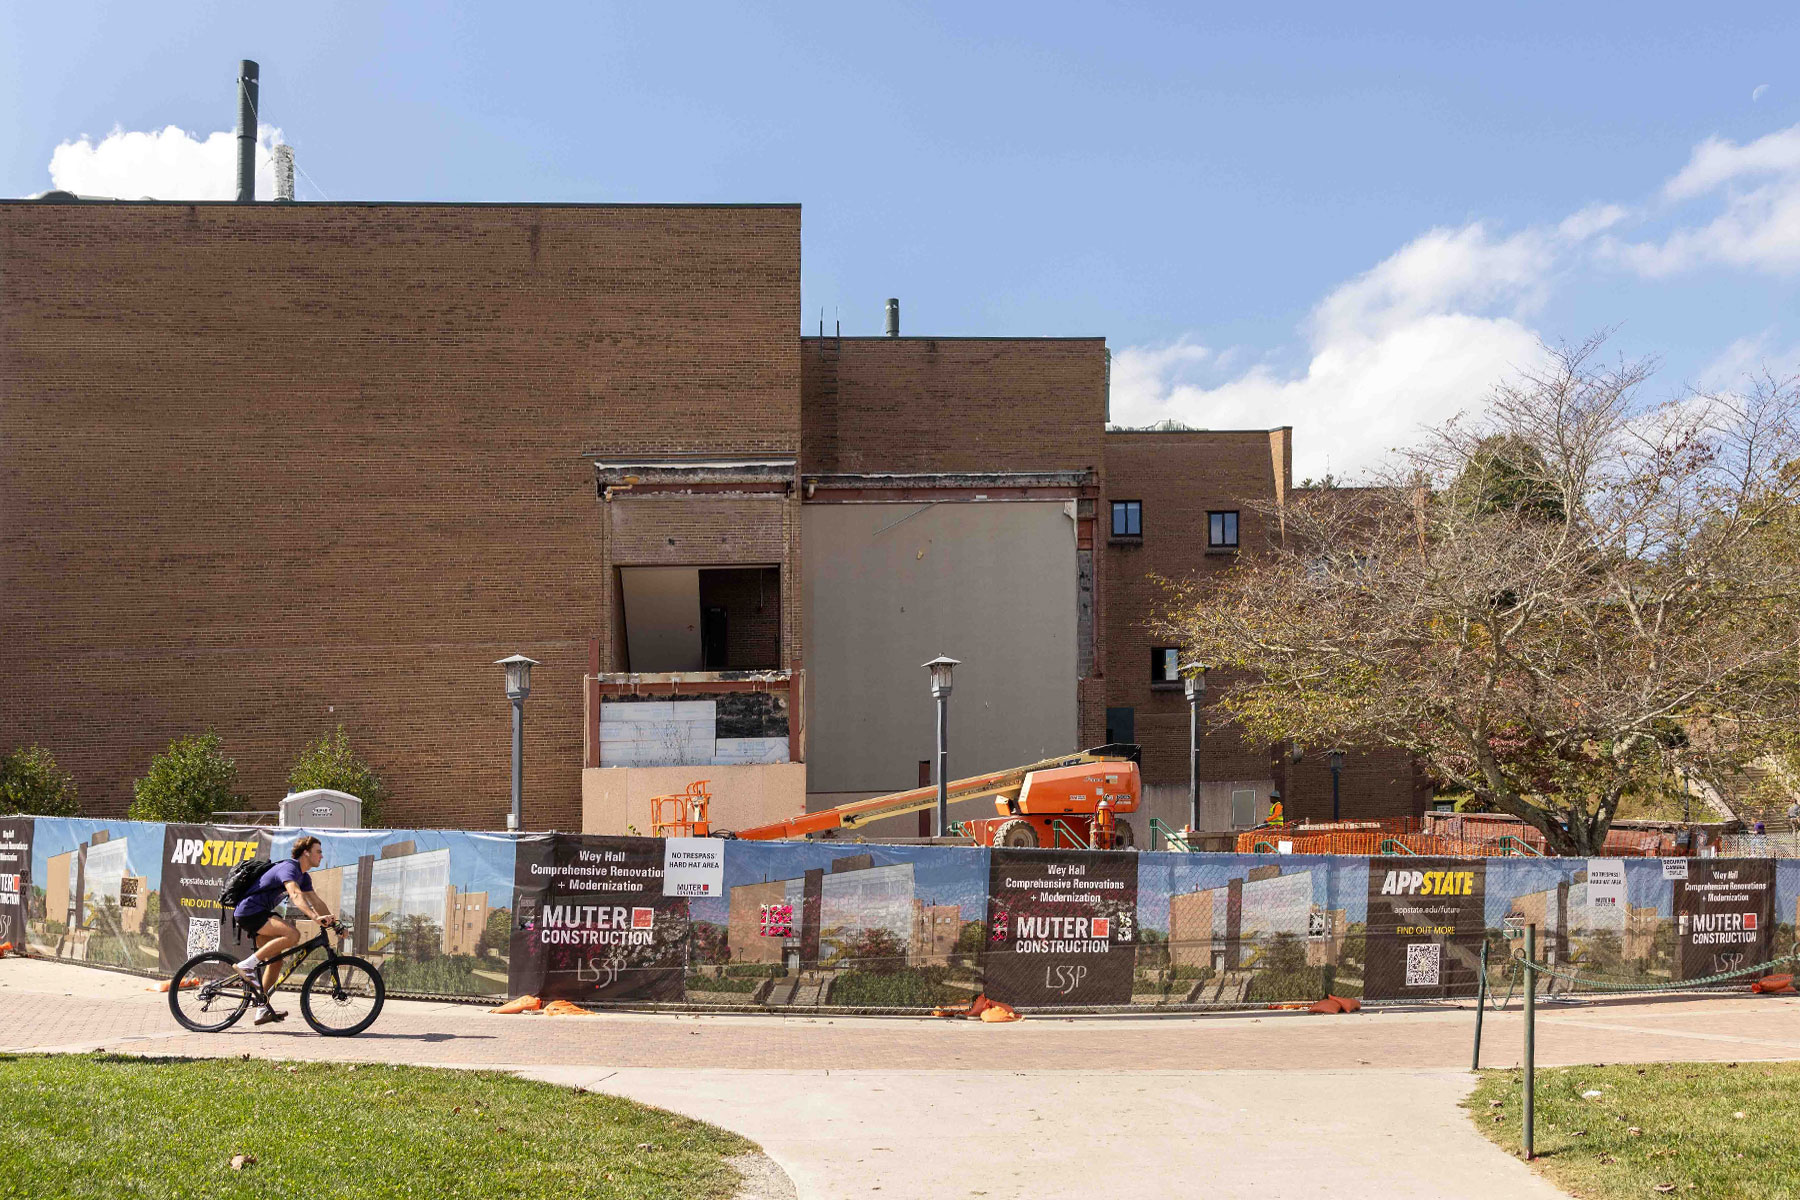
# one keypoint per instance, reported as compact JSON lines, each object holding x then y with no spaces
{"x":1128,"y":518}
{"x":1121,"y":726}
{"x":1222,"y":530}
{"x":1165,"y":664}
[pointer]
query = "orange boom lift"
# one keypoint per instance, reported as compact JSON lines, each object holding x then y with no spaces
{"x":1048,"y":803}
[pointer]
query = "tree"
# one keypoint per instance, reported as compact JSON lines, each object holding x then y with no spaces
{"x":1574,"y":598}
{"x":30,"y":782}
{"x":189,"y":781}
{"x":331,"y":763}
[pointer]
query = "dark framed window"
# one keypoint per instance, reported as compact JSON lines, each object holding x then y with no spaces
{"x":1165,"y":664}
{"x":1222,"y":529}
{"x":1121,"y":726}
{"x":1127,"y":518}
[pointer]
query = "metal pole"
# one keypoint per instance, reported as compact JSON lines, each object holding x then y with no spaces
{"x":943,"y":766}
{"x":1194,"y":763}
{"x":1335,"y":770}
{"x":515,"y":820}
{"x":1530,"y":1036}
{"x":1480,"y":1006}
{"x":246,"y":132}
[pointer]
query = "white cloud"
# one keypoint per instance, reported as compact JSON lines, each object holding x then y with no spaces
{"x":169,"y":164}
{"x":1420,"y":337}
{"x":1430,"y":330}
{"x":1757,"y":225}
{"x":1718,"y":161}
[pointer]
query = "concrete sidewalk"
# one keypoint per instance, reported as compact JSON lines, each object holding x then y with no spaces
{"x":1267,"y":1105}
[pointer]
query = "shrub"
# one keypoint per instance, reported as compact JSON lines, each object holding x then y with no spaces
{"x":189,"y":781}
{"x":31,"y":783}
{"x":331,"y":763}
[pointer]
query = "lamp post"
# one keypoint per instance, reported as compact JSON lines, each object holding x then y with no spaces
{"x":1336,"y":759}
{"x":1193,"y":679}
{"x":940,"y":668}
{"x":518,"y":686}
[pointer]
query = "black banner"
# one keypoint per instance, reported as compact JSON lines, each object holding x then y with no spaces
{"x":1724,"y":916}
{"x":1062,"y":927}
{"x":1425,"y":927}
{"x":15,"y":879}
{"x":591,"y":922}
{"x":196,"y":861}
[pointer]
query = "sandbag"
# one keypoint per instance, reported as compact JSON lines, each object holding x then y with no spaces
{"x":519,"y":1004}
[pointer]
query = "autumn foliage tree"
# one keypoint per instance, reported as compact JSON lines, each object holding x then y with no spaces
{"x":1570,"y":599}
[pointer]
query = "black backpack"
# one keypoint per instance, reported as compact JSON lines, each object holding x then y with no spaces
{"x":242,"y":881}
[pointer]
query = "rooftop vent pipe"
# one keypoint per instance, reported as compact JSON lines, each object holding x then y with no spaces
{"x":246,"y":132}
{"x":893,"y":318}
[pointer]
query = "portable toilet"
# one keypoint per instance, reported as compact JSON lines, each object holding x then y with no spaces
{"x":322,"y":808}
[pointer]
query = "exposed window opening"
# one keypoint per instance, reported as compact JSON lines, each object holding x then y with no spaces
{"x":701,"y":618}
{"x":1165,"y":664}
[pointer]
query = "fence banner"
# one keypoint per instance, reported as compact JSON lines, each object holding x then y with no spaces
{"x":15,"y":878}
{"x":802,"y":925}
{"x":196,"y":861}
{"x":594,"y":922}
{"x":1424,"y":927}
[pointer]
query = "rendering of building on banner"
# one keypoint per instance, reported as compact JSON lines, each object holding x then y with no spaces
{"x":437,"y":434}
{"x":795,"y":925}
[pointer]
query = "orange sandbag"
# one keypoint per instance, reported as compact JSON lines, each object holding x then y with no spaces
{"x":996,"y":1012}
{"x":519,"y":1005}
{"x":1329,"y":1005}
{"x":1774,"y":985}
{"x":565,"y":1008}
{"x":1347,"y":1003}
{"x":164,"y":985}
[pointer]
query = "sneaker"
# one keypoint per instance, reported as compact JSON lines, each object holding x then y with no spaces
{"x":268,"y":1016}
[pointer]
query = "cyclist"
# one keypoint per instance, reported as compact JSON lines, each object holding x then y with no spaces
{"x":274,"y":935}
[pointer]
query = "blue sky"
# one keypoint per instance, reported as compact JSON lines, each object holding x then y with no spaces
{"x":1351,"y":219}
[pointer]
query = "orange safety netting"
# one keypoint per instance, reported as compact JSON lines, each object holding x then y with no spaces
{"x":1451,"y":836}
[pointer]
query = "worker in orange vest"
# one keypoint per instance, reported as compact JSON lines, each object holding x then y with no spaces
{"x":1104,"y":830}
{"x":1276,"y":816}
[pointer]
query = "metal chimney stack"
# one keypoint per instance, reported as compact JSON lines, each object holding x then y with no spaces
{"x":246,"y":132}
{"x":893,"y":318}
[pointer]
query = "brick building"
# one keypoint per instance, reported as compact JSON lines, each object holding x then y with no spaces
{"x":269,"y":468}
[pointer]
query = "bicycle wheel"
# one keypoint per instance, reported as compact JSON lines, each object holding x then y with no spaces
{"x":342,"y":997}
{"x":207,"y":994}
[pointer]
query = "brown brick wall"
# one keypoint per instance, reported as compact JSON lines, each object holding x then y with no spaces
{"x":1180,"y":478}
{"x":908,"y":405}
{"x":751,"y":598}
{"x":270,"y":468}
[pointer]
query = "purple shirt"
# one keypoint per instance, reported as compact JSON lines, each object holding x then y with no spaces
{"x":271,"y":889}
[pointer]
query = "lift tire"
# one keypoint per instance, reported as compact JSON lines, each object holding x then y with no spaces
{"x":1123,"y":839}
{"x":1016,"y":834}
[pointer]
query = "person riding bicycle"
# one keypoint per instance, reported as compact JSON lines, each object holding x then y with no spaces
{"x":274,"y":935}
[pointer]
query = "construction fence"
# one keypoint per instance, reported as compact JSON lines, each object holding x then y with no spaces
{"x":701,"y":922}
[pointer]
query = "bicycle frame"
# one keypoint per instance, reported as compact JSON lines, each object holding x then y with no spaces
{"x":299,"y":953}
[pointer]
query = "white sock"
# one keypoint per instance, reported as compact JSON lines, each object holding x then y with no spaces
{"x":249,"y":964}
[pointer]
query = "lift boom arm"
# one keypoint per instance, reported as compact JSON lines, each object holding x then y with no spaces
{"x":897,"y":804}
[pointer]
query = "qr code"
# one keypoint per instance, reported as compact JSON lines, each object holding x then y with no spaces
{"x":203,"y":935}
{"x":1422,"y":964}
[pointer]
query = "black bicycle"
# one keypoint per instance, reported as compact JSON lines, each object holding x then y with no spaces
{"x":340,"y":997}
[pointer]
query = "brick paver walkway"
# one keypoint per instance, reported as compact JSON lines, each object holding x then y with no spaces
{"x":1045,"y":1108}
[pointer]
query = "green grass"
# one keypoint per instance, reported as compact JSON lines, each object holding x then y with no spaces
{"x":1687,"y":1135}
{"x":110,"y":1126}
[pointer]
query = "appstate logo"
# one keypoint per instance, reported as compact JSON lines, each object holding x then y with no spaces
{"x":210,"y":853}
{"x":1428,"y":883}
